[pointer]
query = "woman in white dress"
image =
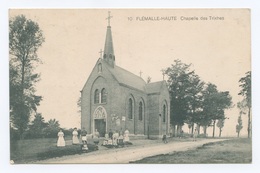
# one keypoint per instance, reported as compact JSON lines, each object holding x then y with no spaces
{"x":195,"y":134}
{"x":96,"y":137}
{"x":75,"y":139}
{"x":126,"y":136}
{"x":61,"y":141}
{"x":115,"y":138}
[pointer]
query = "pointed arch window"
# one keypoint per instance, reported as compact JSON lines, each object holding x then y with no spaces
{"x":140,"y":111}
{"x":96,"y":96}
{"x":130,"y":108}
{"x":164,"y":113}
{"x":103,"y":96}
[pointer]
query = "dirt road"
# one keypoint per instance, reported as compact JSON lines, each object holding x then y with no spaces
{"x":127,"y":154}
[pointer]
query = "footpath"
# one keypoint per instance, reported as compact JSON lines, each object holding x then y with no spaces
{"x":139,"y":150}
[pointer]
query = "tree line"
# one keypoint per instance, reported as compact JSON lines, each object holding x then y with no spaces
{"x":195,"y":102}
{"x":38,"y":128}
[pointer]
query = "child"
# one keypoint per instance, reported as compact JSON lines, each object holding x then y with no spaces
{"x":164,"y":139}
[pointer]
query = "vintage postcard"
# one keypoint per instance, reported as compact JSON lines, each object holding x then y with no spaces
{"x":161,"y":86}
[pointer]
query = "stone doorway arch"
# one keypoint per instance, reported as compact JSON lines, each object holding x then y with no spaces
{"x":100,"y":120}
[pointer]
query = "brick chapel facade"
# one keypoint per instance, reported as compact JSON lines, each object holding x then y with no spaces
{"x":114,"y":98}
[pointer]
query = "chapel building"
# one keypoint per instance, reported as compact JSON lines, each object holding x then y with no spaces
{"x":114,"y":98}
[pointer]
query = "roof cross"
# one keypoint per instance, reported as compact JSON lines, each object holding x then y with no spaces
{"x":140,"y":73}
{"x":108,"y":18}
{"x":163,"y":73}
{"x":100,"y":53}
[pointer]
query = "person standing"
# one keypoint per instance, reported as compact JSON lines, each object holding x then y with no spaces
{"x":182,"y":134}
{"x":171,"y":132}
{"x":84,"y":135}
{"x":126,"y":136}
{"x":110,"y":134}
{"x":61,"y":141}
{"x":96,"y":137}
{"x":120,"y":132}
{"x":121,"y":140}
{"x":75,"y":139}
{"x":106,"y":136}
{"x":115,"y":138}
{"x":164,"y":139}
{"x":84,"y":146}
{"x":195,"y":134}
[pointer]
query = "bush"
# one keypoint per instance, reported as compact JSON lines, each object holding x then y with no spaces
{"x":14,"y":134}
{"x":63,"y":151}
{"x":186,"y":135}
{"x":202,"y":136}
{"x":67,"y":132}
{"x":50,"y":132}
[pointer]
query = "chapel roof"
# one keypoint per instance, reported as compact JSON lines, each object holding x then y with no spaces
{"x":127,"y":78}
{"x":154,"y":87}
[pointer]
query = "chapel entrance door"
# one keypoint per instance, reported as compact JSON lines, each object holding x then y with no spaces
{"x":100,"y":125}
{"x":99,"y":121}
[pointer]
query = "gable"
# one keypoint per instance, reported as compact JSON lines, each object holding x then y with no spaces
{"x":98,"y":70}
{"x":156,"y":87}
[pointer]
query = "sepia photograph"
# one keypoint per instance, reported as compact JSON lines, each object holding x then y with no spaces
{"x":130,"y":86}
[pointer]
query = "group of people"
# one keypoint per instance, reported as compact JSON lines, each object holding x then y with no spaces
{"x":111,"y":138}
{"x":116,"y":138}
{"x":75,"y":139}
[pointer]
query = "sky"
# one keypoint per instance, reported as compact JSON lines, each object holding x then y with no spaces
{"x":218,"y":49}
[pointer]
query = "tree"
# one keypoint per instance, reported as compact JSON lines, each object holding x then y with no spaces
{"x":245,"y":84}
{"x":194,"y":99}
{"x":204,"y":121}
{"x":25,"y":37}
{"x":177,"y":81}
{"x":208,"y":105}
{"x":185,"y":92}
{"x":52,"y":128}
{"x":220,"y":125}
{"x":242,"y":106}
{"x":36,"y":129}
{"x":214,"y":104}
{"x":239,"y":125}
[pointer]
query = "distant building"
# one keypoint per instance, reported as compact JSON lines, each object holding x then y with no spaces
{"x":114,"y":98}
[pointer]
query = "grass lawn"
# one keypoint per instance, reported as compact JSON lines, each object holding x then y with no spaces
{"x":237,"y":150}
{"x":25,"y":151}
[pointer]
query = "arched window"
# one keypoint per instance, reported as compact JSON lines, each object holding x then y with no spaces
{"x":103,"y":96}
{"x":96,"y":96}
{"x":140,"y":111}
{"x":164,"y":113}
{"x":105,"y":56}
{"x":110,"y":57}
{"x":130,"y":108}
